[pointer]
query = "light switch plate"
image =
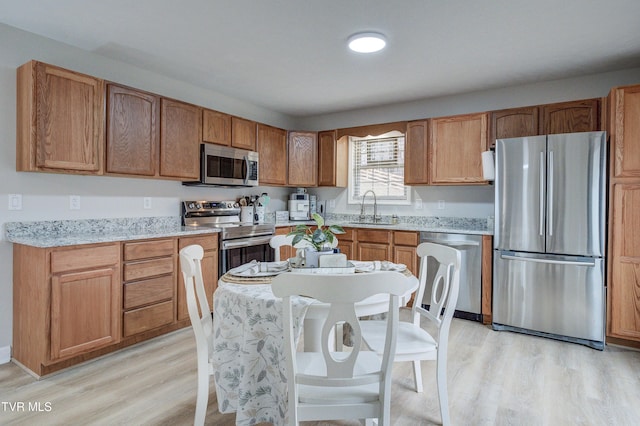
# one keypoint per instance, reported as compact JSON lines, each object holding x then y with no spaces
{"x":441,"y":204}
{"x":74,"y":202}
{"x":15,"y":201}
{"x":147,"y":203}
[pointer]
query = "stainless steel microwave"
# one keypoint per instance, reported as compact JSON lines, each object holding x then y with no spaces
{"x":225,"y":166}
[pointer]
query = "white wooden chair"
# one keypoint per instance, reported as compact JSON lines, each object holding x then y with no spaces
{"x":278,"y":241}
{"x":414,"y":343}
{"x":340,"y":385}
{"x":201,"y":321}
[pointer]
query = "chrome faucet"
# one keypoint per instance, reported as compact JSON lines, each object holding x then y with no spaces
{"x":375,"y":206}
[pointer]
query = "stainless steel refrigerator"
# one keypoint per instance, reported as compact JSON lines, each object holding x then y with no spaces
{"x":550,"y":231}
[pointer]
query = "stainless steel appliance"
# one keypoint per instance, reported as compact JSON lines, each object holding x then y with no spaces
{"x":469,"y":304}
{"x":550,"y":229}
{"x":225,"y":166}
{"x":238,"y":242}
{"x":299,"y":206}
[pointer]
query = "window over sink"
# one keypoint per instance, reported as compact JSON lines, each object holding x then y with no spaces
{"x":377,"y":163}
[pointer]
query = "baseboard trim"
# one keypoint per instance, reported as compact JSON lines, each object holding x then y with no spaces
{"x":5,"y":354}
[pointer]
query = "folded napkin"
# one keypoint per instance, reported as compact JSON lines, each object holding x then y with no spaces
{"x":377,"y":265}
{"x":259,"y":268}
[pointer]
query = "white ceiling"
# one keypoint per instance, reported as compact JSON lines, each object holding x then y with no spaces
{"x":290,"y":56}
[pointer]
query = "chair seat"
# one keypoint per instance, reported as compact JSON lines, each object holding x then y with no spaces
{"x":312,"y":363}
{"x":413,"y":342}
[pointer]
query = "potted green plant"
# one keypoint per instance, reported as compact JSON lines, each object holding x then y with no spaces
{"x":320,"y":239}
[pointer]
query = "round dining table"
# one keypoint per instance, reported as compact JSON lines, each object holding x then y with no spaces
{"x":248,"y":354}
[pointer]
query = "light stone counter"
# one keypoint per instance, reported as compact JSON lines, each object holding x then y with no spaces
{"x":60,"y":233}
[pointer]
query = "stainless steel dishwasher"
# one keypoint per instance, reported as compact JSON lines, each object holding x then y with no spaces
{"x":469,"y":304}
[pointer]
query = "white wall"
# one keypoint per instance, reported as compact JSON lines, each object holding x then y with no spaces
{"x":45,"y":196}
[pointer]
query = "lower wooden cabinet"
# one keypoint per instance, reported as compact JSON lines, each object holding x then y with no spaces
{"x":285,"y":251}
{"x":374,"y":244}
{"x":346,"y":243}
{"x":209,"y":270}
{"x":404,"y":249}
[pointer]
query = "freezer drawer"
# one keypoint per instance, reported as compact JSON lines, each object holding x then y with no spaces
{"x":559,"y":295}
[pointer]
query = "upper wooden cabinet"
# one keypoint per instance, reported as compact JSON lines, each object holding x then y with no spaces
{"x":570,"y":117}
{"x":216,"y":127}
{"x":133,"y":135}
{"x":513,"y":123}
{"x":180,"y":138}
{"x":564,"y":117}
{"x":243,"y":133}
{"x":624,"y":130}
{"x":416,"y":171}
{"x":60,"y":116}
{"x":303,"y":158}
{"x":333,"y":159}
{"x":272,"y":151}
{"x":455,"y":147}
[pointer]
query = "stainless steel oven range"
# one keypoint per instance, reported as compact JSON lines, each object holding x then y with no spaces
{"x":239,"y":242}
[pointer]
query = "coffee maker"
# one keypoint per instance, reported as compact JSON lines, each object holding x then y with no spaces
{"x":299,"y":206}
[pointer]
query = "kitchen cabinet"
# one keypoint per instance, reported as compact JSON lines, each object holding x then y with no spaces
{"x":514,"y":123}
{"x":374,"y":244}
{"x":180,"y":136}
{"x":66,"y":303}
{"x":302,"y":155}
{"x":346,"y":243}
{"x":149,"y":285}
{"x":570,"y":117}
{"x":60,"y":120}
{"x":623,"y":304}
{"x":404,"y":249}
{"x":487,"y":278}
{"x":286,"y":252}
{"x":416,"y":157}
{"x":209,"y":265}
{"x":243,"y":133}
{"x":333,"y":159}
{"x":455,"y":147}
{"x":216,"y":127}
{"x":272,"y":151}
{"x":133,"y":136}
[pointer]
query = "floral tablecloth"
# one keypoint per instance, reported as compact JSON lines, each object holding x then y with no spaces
{"x":249,"y":360}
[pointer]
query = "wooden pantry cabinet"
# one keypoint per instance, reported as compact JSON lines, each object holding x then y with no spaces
{"x":66,"y":303}
{"x":133,"y":131}
{"x":455,"y":147}
{"x":209,"y":266}
{"x":59,"y":120}
{"x":623,"y":293}
{"x":272,"y":151}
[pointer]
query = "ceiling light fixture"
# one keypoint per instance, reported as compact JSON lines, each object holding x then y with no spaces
{"x":368,"y":42}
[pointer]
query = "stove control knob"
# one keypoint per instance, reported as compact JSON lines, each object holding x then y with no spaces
{"x":236,"y":205}
{"x":191,"y":205}
{"x":198,"y":206}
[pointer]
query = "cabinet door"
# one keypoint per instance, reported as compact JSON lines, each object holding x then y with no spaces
{"x":216,"y":127}
{"x":85,"y":311}
{"x":456,"y":145}
{"x":303,"y":157}
{"x":416,"y":171}
{"x":513,"y":123}
{"x":272,"y":150}
{"x":243,"y":133}
{"x":625,"y":131}
{"x":570,"y":117}
{"x":624,"y":287}
{"x":180,"y":140}
{"x":60,"y":120}
{"x":349,"y":249}
{"x":132,"y":131}
{"x":374,"y":251}
{"x":406,"y":255}
{"x":285,"y":251}
{"x":333,"y":159}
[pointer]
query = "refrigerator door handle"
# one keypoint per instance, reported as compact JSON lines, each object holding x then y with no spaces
{"x":550,"y":198}
{"x":541,"y":203}
{"x":550,"y":261}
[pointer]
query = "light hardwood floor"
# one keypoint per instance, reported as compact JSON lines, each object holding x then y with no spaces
{"x":495,"y":378}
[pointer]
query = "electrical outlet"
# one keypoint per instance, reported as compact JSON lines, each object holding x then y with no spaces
{"x":147,"y":203}
{"x":440,"y":204}
{"x":15,"y":201}
{"x":332,"y":204}
{"x":418,"y":204}
{"x":74,"y":202}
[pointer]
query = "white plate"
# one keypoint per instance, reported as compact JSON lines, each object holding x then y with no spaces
{"x":244,"y":271}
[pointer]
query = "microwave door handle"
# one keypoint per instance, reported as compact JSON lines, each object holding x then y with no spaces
{"x":245,"y":159}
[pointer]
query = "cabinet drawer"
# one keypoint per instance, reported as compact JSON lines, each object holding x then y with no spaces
{"x":405,"y":238}
{"x":145,"y":292}
{"x":84,"y":258}
{"x":148,"y":268}
{"x":347,"y":236}
{"x":208,"y":242}
{"x":148,"y":249}
{"x":148,"y":318}
{"x":374,"y":236}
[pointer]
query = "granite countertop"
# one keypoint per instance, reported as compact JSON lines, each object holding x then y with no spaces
{"x":61,"y":233}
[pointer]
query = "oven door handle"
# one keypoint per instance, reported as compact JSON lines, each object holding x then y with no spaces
{"x":246,"y":242}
